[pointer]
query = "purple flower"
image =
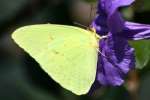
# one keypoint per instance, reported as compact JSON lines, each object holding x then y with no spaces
{"x":117,"y":56}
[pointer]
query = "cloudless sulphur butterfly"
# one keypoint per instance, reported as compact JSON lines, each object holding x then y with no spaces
{"x":67,"y":54}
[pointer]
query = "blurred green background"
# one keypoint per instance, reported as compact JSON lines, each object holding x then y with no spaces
{"x":21,"y":78}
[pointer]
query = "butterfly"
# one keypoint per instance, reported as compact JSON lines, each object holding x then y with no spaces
{"x":68,"y":54}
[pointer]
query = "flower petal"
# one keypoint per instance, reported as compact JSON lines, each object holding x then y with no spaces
{"x":116,"y":60}
{"x":108,"y":17}
{"x":136,"y":31}
{"x":100,"y":22}
{"x":111,"y":6}
{"x":115,"y":21}
{"x":100,"y":25}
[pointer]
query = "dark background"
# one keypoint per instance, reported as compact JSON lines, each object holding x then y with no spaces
{"x":21,"y":78}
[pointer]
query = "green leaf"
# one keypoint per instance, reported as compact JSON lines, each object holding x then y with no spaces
{"x":142,"y":53}
{"x":142,"y":5}
{"x":128,"y":13}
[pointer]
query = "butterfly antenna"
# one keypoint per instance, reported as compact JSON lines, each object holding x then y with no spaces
{"x":91,"y":12}
{"x":81,"y":25}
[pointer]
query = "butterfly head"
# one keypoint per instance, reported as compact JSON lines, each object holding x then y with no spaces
{"x":93,"y":30}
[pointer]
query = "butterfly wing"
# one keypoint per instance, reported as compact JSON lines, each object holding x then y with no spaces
{"x":68,"y":54}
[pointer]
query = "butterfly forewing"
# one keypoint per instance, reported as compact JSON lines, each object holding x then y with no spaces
{"x":68,"y":54}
